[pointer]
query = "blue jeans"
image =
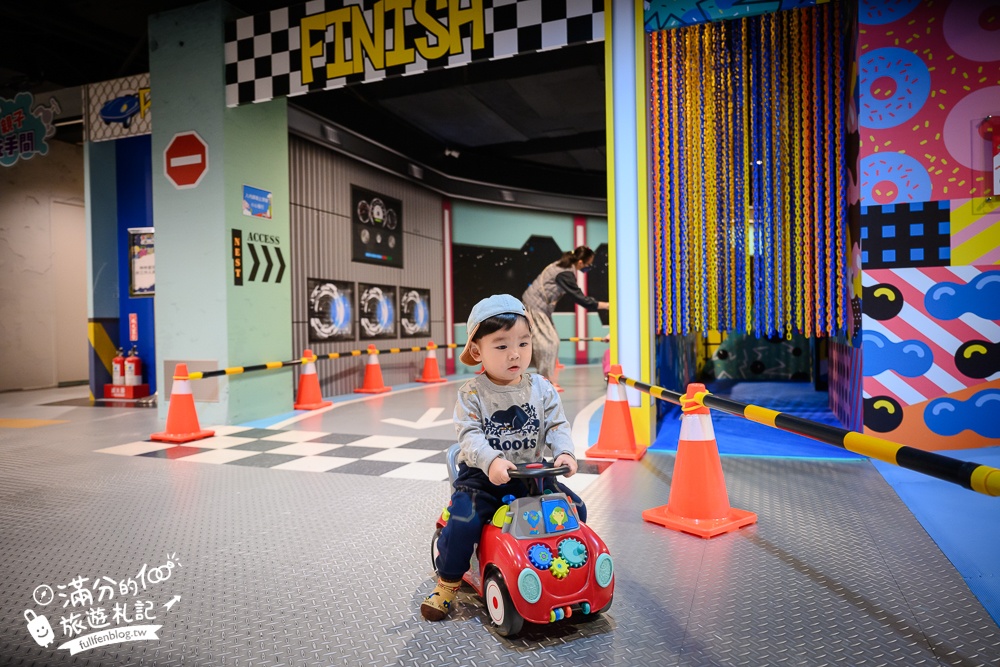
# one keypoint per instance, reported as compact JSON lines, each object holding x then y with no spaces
{"x":473,"y":505}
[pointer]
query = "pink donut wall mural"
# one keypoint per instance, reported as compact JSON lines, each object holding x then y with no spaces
{"x":929,"y":76}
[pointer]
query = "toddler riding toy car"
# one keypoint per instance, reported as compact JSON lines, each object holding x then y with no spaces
{"x":536,"y":561}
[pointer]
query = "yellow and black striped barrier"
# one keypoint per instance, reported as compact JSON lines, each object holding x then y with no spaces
{"x":977,"y":477}
{"x":237,"y":370}
{"x":272,"y":365}
{"x":391,"y":350}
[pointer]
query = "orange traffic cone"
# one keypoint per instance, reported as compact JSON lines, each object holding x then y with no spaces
{"x":616,"y":439}
{"x":431,"y":373}
{"x":182,"y":420}
{"x":373,"y":375}
{"x":698,"y":502}
{"x":310,"y":396}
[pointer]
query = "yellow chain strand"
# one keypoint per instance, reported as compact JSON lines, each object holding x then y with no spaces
{"x":795,"y":193}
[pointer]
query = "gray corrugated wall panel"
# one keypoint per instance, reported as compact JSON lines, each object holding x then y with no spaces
{"x":321,"y":248}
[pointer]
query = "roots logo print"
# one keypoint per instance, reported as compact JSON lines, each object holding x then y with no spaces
{"x":415,"y":312}
{"x":331,"y":310}
{"x":377,"y":311}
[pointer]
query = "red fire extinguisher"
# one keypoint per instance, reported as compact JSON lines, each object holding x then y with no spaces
{"x":118,"y":368}
{"x":133,"y":368}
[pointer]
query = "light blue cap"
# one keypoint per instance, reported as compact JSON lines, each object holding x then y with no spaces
{"x":497,"y":304}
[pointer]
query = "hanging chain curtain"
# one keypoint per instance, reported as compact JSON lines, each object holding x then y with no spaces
{"x":749,"y":175}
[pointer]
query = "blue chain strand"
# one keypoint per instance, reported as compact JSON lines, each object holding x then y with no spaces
{"x":740,"y":136}
{"x":778,"y":110}
{"x":769,"y":249}
{"x":756,"y":158}
{"x":820,"y":179}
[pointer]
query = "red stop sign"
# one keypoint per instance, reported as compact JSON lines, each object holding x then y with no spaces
{"x":185,"y":160}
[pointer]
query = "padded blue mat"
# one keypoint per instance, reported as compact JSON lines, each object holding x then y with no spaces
{"x":964,"y":524}
{"x":742,"y":437}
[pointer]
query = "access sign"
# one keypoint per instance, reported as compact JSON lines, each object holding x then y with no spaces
{"x":185,"y":160}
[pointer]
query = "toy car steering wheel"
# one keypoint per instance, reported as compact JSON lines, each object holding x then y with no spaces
{"x":537,"y":470}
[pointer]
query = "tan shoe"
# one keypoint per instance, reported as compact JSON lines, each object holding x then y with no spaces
{"x":437,"y":605}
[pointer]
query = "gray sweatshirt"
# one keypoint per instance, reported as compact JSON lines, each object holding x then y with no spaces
{"x":518,"y":422}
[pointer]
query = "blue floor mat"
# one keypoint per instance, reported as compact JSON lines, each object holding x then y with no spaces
{"x":741,"y":437}
{"x":964,"y":524}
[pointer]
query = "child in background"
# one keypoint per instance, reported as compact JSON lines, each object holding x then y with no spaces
{"x":504,"y":417}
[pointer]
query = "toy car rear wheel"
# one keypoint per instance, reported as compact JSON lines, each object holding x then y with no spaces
{"x":434,"y":549}
{"x":593,"y":616}
{"x":503,"y":615}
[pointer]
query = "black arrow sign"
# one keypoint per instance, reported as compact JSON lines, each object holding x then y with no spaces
{"x":269,"y":263}
{"x":256,"y":261}
{"x":281,"y":265}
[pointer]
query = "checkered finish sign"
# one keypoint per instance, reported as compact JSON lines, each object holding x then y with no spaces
{"x":325,"y":44}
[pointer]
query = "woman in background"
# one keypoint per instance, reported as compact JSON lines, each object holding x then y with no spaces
{"x":555,"y":280}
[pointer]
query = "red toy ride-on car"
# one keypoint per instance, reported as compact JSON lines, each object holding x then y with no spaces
{"x":536,"y":561}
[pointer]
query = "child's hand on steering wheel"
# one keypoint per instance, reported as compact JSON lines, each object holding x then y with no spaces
{"x":498,"y":470}
{"x":568,"y":461}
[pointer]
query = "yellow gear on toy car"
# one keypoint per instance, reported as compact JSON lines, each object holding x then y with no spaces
{"x":500,"y":516}
{"x":559,"y":568}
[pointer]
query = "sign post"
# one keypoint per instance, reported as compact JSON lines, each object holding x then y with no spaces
{"x":185,"y":160}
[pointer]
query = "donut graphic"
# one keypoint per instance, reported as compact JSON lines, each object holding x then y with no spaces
{"x":978,"y":359}
{"x":882,"y":413}
{"x":893,"y":178}
{"x":882,"y":301}
{"x":970,"y":30}
{"x":881,"y":12}
{"x":894,"y":84}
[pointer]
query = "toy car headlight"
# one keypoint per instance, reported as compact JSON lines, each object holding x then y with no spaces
{"x":529,"y":585}
{"x":604,"y":569}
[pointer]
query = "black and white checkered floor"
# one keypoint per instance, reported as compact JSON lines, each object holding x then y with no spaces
{"x":318,"y":451}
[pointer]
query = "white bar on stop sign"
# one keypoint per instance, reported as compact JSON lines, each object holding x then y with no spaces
{"x":185,"y":160}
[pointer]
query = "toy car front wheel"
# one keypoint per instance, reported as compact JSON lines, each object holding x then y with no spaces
{"x":434,"y":549}
{"x":503,"y":615}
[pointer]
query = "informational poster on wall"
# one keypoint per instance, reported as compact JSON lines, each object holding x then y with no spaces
{"x":257,"y":202}
{"x":376,"y":311}
{"x":414,"y":312}
{"x":142,"y":262}
{"x":331,"y":310}
{"x":378,"y":228}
